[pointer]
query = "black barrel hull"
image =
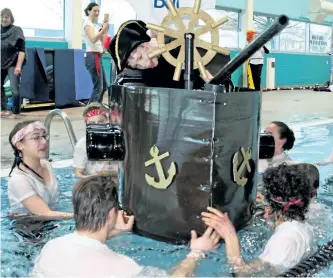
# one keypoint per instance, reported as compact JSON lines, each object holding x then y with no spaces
{"x":203,"y":132}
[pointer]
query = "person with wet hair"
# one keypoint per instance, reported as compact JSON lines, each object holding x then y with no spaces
{"x":98,"y":217}
{"x":32,"y":187}
{"x":284,"y":141}
{"x":13,"y":57}
{"x":288,"y":193}
{"x":93,"y":113}
{"x":94,"y":37}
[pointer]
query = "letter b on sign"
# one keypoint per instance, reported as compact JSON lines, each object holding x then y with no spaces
{"x":162,"y":3}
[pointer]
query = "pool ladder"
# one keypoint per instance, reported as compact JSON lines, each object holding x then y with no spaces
{"x":68,"y":125}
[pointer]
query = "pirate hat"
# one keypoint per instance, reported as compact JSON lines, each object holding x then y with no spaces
{"x":129,"y":36}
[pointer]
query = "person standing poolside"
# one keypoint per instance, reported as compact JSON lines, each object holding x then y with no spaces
{"x":94,"y":37}
{"x":13,"y":58}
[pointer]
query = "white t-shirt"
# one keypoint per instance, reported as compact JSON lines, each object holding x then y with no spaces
{"x":90,"y":46}
{"x":258,"y":57}
{"x":81,"y":161}
{"x":320,"y":217}
{"x":291,"y":242}
{"x":22,"y":185}
{"x":74,"y":255}
{"x":274,"y":162}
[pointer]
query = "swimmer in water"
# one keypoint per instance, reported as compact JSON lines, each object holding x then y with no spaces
{"x":32,"y":187}
{"x":93,"y":113}
{"x":284,"y":141}
{"x":288,"y":193}
{"x":97,"y":218}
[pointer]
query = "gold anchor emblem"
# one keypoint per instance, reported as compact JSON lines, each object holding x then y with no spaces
{"x":163,"y":181}
{"x":246,"y":163}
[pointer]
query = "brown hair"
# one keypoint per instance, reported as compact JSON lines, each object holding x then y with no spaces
{"x":93,"y":198}
{"x":8,"y":12}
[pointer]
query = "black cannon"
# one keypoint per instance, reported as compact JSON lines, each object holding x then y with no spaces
{"x":184,"y":149}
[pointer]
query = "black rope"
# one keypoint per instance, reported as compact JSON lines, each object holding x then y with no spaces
{"x":18,"y":160}
{"x":32,"y":170}
{"x":321,"y":259}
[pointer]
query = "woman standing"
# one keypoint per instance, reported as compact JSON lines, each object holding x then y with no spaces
{"x":94,"y":37}
{"x":257,"y":62}
{"x":12,"y":59}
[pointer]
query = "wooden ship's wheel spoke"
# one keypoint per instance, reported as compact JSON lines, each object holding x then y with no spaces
{"x":195,"y":14}
{"x":177,"y":18}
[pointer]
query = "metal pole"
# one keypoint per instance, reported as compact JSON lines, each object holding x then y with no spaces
{"x":253,"y":47}
{"x":189,"y":60}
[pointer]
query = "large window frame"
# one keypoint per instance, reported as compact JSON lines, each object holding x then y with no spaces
{"x":42,"y":33}
{"x":307,"y":37}
{"x":226,"y":27}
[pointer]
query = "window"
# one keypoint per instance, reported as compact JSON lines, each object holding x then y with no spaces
{"x":320,"y":38}
{"x":47,"y":21}
{"x":292,"y":38}
{"x":260,"y":24}
{"x":229,"y":31}
{"x":119,"y":10}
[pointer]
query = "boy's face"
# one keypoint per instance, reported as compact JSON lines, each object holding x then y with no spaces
{"x":139,"y":57}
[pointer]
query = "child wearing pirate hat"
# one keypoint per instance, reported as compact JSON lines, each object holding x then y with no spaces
{"x":130,"y":47}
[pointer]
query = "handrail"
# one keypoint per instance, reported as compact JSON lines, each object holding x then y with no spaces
{"x":68,"y":125}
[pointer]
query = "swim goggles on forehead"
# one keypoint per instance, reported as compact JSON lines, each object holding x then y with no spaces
{"x":30,"y":128}
{"x":95,"y":112}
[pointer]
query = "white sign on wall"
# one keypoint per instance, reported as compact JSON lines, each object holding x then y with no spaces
{"x":153,"y":11}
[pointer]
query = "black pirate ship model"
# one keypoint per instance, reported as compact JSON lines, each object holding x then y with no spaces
{"x":184,"y":144}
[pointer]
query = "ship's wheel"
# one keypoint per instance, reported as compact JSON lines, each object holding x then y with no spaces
{"x":176,"y":17}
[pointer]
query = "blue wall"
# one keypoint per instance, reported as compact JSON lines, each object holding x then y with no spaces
{"x":291,"y":69}
{"x":47,"y":44}
{"x":63,"y":44}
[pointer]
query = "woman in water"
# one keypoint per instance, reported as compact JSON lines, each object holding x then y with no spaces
{"x":12,"y":60}
{"x":32,"y":187}
{"x":288,"y":192}
{"x":284,"y":141}
{"x":94,"y":37}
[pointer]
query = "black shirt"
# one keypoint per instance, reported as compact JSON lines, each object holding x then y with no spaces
{"x":20,"y":45}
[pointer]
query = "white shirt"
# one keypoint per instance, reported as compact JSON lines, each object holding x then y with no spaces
{"x":90,"y":46}
{"x":291,"y":242}
{"x":258,"y":57}
{"x":274,"y":162}
{"x":22,"y":185}
{"x":81,"y":161}
{"x":74,"y":255}
{"x":320,"y":217}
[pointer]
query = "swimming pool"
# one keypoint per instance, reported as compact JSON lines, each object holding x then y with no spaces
{"x":313,"y":144}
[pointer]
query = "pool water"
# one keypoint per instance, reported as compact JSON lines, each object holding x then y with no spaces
{"x":18,"y":251}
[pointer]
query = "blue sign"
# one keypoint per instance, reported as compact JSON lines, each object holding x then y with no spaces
{"x":158,"y":4}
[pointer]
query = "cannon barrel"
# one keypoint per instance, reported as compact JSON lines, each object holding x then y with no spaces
{"x":253,"y":47}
